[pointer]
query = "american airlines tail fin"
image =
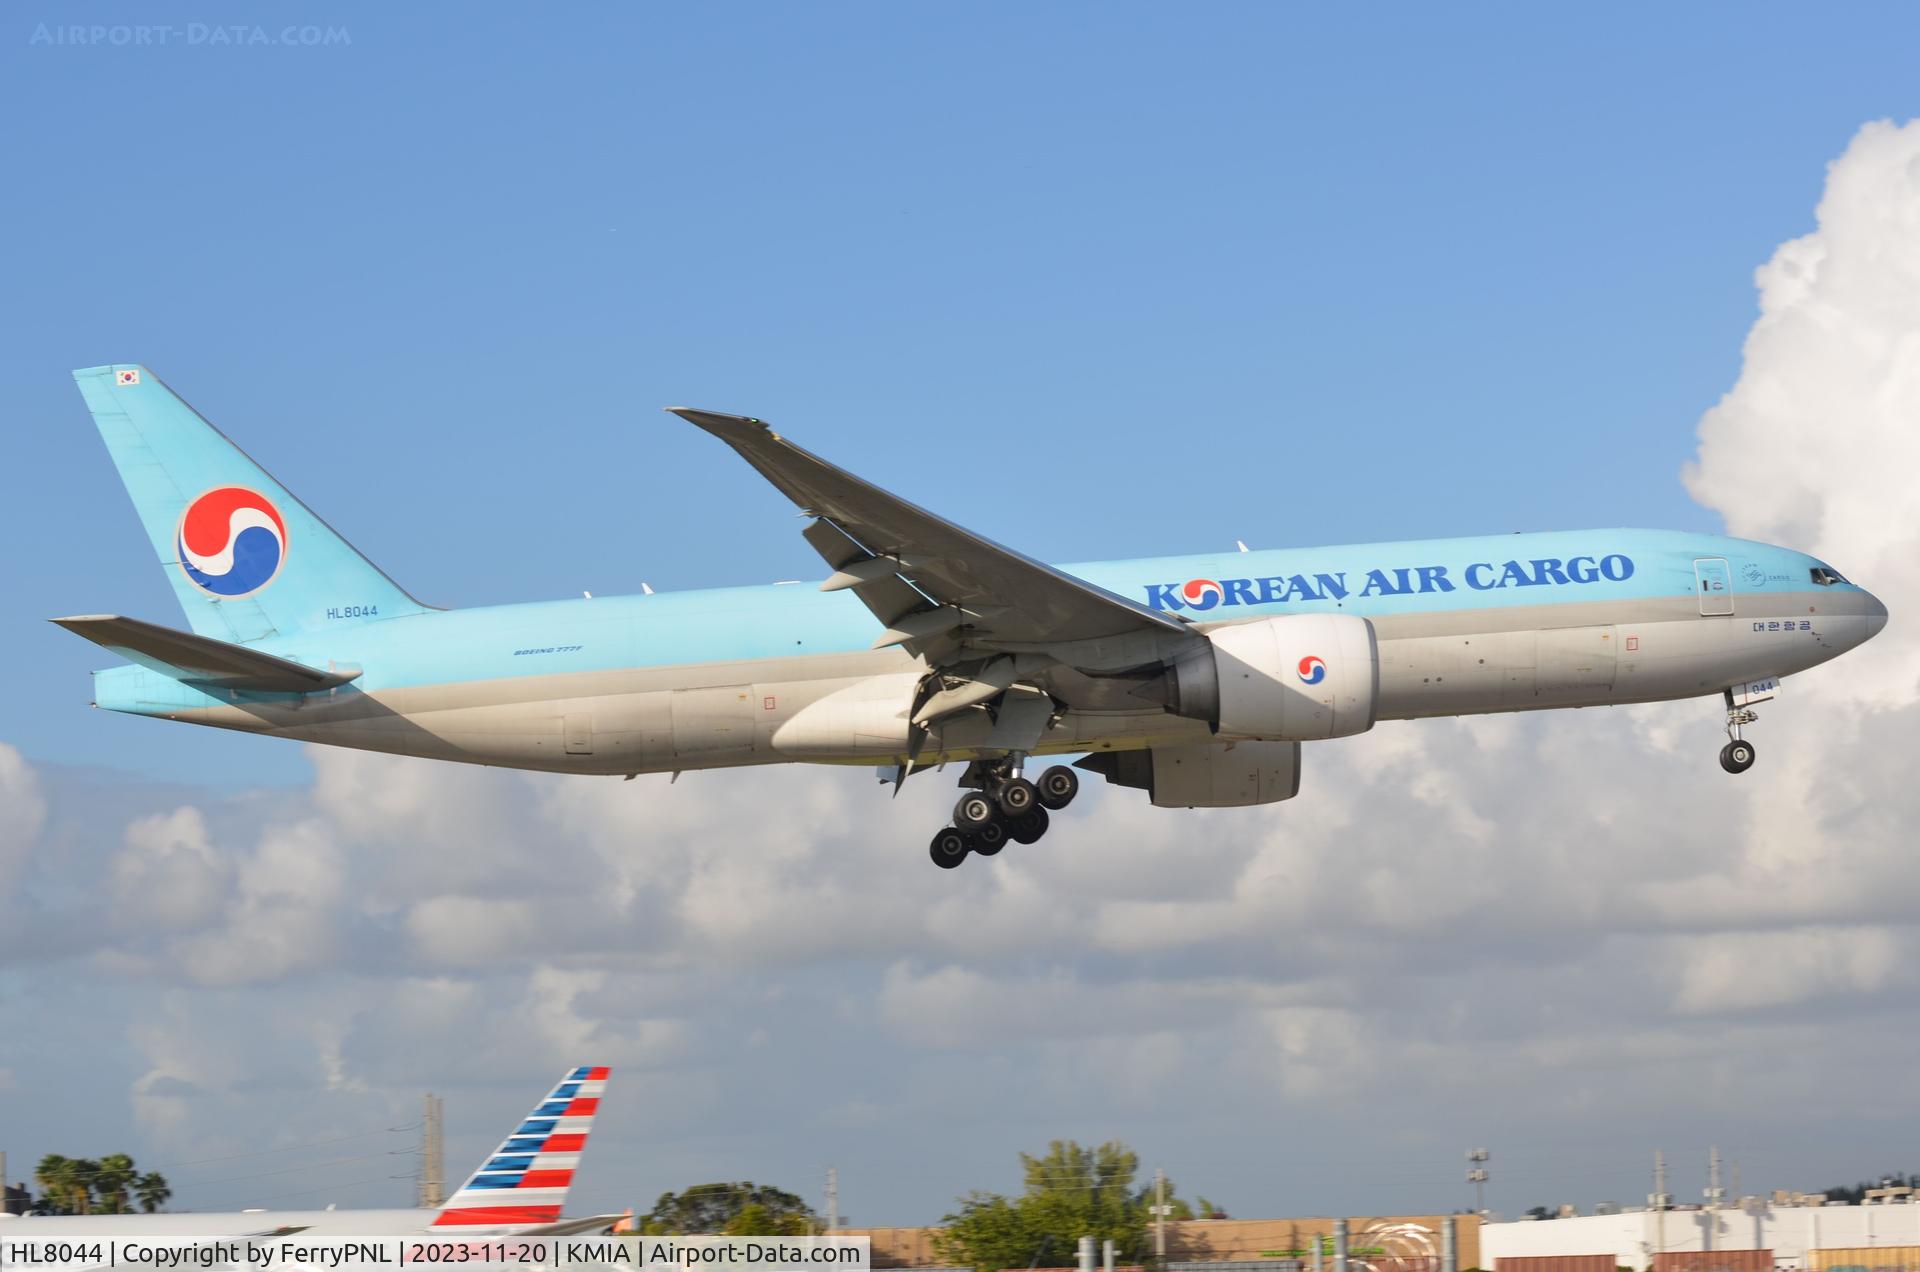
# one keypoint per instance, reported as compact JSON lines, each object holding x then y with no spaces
{"x":246,"y":558}
{"x":524,"y":1182}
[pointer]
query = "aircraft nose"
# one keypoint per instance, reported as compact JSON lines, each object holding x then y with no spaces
{"x":1876,"y":615}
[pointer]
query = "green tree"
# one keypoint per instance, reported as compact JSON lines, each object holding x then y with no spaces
{"x":714,"y":1208}
{"x":66,"y":1183}
{"x":114,"y":1175}
{"x":152,"y":1191}
{"x":83,"y":1174}
{"x":54,"y":1174}
{"x":989,"y":1232}
{"x":1071,"y":1192}
{"x":757,"y":1220}
{"x":79,"y":1185}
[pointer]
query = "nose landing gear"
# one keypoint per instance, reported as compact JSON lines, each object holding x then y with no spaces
{"x":1737,"y":755}
{"x":1004,"y":806}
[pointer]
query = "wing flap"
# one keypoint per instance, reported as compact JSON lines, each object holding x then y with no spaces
{"x":875,"y":580}
{"x":202,"y":660}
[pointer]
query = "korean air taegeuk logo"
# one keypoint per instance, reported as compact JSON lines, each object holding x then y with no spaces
{"x":232,"y":542}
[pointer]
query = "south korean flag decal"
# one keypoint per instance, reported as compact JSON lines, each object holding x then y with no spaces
{"x":130,"y":376}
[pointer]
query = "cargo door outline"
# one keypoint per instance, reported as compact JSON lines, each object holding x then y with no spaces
{"x":713,"y":723}
{"x":1713,"y":584}
{"x":1575,"y":663}
{"x":577,"y":729}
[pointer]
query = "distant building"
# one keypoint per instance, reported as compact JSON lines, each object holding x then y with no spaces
{"x":15,"y":1199}
{"x":1794,"y":1233}
{"x":1381,"y":1243}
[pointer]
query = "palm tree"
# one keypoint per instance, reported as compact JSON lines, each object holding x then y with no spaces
{"x":151,"y":1188}
{"x":83,"y":1172}
{"x":111,"y":1180}
{"x":54,"y":1174}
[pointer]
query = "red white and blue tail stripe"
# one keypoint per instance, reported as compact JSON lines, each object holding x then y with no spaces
{"x":524,"y":1183}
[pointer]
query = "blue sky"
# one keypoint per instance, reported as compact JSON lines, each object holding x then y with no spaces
{"x":1097,"y":280}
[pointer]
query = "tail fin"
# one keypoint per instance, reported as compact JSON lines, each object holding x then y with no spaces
{"x":524,"y":1183}
{"x":246,"y":558}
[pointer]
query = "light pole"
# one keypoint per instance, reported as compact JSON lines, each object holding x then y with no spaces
{"x":1477,"y":1176}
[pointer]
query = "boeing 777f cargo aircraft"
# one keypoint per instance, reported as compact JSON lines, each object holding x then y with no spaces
{"x":1194,"y":678}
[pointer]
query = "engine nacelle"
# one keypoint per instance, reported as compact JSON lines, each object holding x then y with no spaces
{"x":1297,"y":678}
{"x":1206,"y":774}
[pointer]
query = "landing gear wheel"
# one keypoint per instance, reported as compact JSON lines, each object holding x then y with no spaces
{"x":1058,"y":785}
{"x":1017,"y":796}
{"x":990,"y":838}
{"x":1736,"y":756}
{"x":974,"y":810}
{"x":949,"y":848}
{"x":1027,"y":828}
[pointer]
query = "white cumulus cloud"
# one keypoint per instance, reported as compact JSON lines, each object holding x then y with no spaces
{"x":170,"y":875}
{"x":22,"y":813}
{"x":1816,"y":445}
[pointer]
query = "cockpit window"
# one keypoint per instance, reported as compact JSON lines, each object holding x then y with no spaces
{"x":1824,"y":576}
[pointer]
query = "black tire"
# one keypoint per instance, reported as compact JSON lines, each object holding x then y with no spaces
{"x":1737,"y":757}
{"x":1058,"y":785}
{"x":1027,"y":829}
{"x":1017,"y":797}
{"x":990,"y":838}
{"x":949,"y":847}
{"x":974,"y":810}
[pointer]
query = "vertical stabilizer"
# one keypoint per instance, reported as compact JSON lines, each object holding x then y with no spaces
{"x":246,"y":558}
{"x":524,"y":1182}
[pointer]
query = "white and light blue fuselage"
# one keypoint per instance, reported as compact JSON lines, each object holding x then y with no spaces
{"x":709,"y":679}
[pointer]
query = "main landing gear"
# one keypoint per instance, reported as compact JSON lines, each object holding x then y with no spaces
{"x":1005,"y":806}
{"x":1737,"y":755}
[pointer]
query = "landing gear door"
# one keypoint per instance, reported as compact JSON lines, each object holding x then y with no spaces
{"x":1714,"y":582}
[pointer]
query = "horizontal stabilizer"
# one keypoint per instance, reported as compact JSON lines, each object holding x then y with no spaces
{"x":572,"y":1227}
{"x":202,"y":660}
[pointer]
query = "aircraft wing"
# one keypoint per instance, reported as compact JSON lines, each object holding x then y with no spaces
{"x":938,"y":588}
